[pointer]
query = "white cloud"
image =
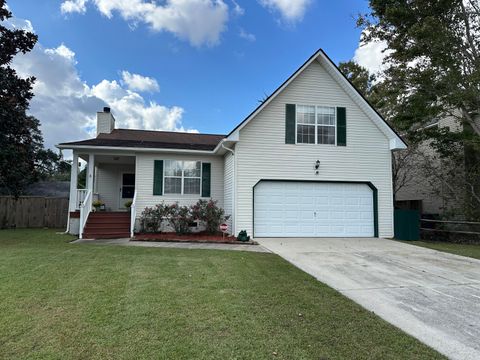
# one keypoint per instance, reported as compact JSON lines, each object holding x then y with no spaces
{"x":198,"y":21}
{"x":138,"y":82}
{"x":371,"y":55}
{"x":290,"y":10}
{"x":132,"y":111}
{"x":66,"y":105}
{"x":237,"y":9}
{"x":73,"y":6}
{"x":63,"y":51}
{"x":246,"y":35}
{"x":20,"y":24}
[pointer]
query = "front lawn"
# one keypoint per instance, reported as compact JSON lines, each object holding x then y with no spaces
{"x":468,"y":250}
{"x":66,"y":301}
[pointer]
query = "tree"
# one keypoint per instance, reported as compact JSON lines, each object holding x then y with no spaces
{"x":433,"y":58}
{"x":432,"y":62}
{"x":360,"y":77}
{"x":22,"y":156}
{"x":373,"y":89}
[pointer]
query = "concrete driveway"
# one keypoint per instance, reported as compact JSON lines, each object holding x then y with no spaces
{"x":431,"y":295}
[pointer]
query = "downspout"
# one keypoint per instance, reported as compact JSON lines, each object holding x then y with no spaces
{"x":68,"y":220}
{"x":233,"y":188}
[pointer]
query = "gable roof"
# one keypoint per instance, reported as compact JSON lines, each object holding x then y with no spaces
{"x":147,"y":139}
{"x":396,"y":142}
{"x":151,"y":139}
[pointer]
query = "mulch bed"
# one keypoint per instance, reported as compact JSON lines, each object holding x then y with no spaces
{"x":194,"y":238}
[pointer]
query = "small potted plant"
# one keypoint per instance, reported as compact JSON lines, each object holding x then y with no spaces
{"x":128,"y":204}
{"x":97,"y":204}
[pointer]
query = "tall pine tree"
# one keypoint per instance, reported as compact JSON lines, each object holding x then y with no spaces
{"x":22,"y":156}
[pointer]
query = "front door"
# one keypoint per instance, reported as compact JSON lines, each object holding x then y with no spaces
{"x":128,"y":188}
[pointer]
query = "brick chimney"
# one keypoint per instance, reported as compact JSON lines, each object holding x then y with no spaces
{"x":105,"y":121}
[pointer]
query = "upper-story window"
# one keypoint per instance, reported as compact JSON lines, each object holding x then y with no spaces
{"x":316,"y":124}
{"x":182,"y":177}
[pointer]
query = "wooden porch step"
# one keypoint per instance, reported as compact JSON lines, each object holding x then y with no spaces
{"x":99,"y":220}
{"x":106,"y":231}
{"x":104,"y":215}
{"x":111,"y":235}
{"x":107,"y":225}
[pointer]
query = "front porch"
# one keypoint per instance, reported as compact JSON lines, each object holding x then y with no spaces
{"x":101,"y":208}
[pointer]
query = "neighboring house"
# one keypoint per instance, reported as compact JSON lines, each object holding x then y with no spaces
{"x":423,"y":183}
{"x":313,"y":160}
{"x":58,"y":189}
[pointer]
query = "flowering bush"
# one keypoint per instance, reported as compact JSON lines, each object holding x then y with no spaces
{"x":149,"y":220}
{"x":180,"y":218}
{"x":152,"y":219}
{"x":210,"y":214}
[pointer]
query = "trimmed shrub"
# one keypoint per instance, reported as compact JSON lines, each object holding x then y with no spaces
{"x":210,"y":214}
{"x":149,"y":220}
{"x":180,"y":218}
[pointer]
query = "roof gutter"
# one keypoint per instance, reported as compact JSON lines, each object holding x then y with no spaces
{"x":135,"y":149}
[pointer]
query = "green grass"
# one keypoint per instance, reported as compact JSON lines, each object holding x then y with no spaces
{"x":67,"y":301}
{"x":468,"y":250}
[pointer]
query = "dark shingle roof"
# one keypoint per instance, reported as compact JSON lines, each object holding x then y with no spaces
{"x":153,"y":139}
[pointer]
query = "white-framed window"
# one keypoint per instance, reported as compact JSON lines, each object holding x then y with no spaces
{"x":306,"y":124}
{"x":316,"y":124}
{"x":182,"y":177}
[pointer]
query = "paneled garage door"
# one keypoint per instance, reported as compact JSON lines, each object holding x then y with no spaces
{"x":311,"y":209}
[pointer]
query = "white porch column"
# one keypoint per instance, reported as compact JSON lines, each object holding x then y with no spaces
{"x":73,"y":183}
{"x":90,"y":172}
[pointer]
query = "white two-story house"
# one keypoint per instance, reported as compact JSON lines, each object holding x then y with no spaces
{"x":313,"y":160}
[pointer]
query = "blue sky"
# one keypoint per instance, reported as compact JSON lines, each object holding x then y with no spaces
{"x":204,"y":70}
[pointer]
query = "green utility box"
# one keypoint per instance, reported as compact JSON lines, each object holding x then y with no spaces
{"x":407,"y":224}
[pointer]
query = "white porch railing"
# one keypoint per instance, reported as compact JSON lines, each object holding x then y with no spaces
{"x":133,"y":212}
{"x":85,"y":210}
{"x":81,"y":194}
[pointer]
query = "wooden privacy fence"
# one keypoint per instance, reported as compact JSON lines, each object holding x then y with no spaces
{"x":451,"y":230}
{"x":33,"y":212}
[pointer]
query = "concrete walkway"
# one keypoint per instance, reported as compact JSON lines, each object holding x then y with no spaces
{"x":176,"y":245}
{"x":431,"y":295}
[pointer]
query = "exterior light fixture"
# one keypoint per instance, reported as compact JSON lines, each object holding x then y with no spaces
{"x":317,"y":166}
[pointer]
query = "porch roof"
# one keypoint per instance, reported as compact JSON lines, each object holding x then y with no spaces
{"x":151,"y":139}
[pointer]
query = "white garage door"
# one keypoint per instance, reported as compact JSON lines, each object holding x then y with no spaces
{"x":309,"y":209}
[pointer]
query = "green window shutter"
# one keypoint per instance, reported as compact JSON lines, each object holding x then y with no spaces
{"x":290,"y":115}
{"x":206,"y":179}
{"x":158,"y":177}
{"x":341,"y":126}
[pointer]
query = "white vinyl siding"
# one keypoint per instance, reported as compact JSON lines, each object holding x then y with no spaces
{"x":262,"y":153}
{"x":144,"y":171}
{"x":228,"y":188}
